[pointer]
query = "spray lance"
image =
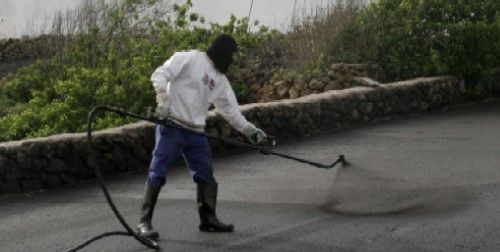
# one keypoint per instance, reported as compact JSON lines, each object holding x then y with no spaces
{"x":263,"y":149}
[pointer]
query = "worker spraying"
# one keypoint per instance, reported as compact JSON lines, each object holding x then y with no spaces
{"x":186,"y":85}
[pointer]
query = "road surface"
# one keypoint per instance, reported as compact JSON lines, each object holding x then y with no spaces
{"x":428,"y":183}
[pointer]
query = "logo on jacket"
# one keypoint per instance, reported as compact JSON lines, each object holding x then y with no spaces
{"x":209,"y":82}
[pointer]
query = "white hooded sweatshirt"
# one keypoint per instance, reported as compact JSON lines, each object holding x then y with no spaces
{"x":192,"y":84}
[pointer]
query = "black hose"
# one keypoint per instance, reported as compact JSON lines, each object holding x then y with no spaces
{"x":262,"y":149}
{"x":144,"y":240}
{"x":98,"y":237}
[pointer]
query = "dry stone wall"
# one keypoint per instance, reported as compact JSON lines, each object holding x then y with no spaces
{"x":493,"y":83}
{"x":61,"y":160}
{"x":339,"y":76}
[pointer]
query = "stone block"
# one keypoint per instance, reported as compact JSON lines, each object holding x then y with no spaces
{"x":339,"y":106}
{"x":337,"y":66}
{"x":49,"y":152}
{"x":53,"y":181}
{"x":28,"y":185}
{"x":135,"y":165}
{"x":365,"y":81}
{"x":332,"y":85}
{"x":360,"y":96}
{"x":10,"y":186}
{"x":305,"y":92}
{"x":282,"y":91}
{"x":331,"y":74}
{"x":24,"y":161}
{"x":141,"y":153}
{"x":278,"y":83}
{"x":348,"y":77}
{"x":13,"y":173}
{"x":300,"y":85}
{"x":339,"y":77}
{"x":355,"y":114}
{"x":316,"y":84}
{"x":366,"y":108}
{"x":226,"y":130}
{"x":68,"y":179}
{"x":31,"y":173}
{"x":3,"y":164}
{"x":40,"y":164}
{"x":74,"y":164}
{"x":56,"y":165}
{"x":293,"y":93}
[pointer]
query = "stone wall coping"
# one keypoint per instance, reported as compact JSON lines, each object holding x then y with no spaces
{"x":75,"y":136}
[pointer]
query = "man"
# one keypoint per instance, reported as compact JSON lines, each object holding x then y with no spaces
{"x":185,"y":86}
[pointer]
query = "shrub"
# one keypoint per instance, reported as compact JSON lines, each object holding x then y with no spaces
{"x":108,"y":62}
{"x":427,"y":37}
{"x":109,"y":51}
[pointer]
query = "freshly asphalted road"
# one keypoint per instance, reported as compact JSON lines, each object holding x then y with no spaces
{"x":429,"y":183}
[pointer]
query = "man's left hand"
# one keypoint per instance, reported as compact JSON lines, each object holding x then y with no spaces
{"x":255,"y":135}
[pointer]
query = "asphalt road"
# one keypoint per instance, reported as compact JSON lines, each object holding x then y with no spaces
{"x":429,"y":183}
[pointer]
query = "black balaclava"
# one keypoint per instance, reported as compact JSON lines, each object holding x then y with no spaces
{"x":221,"y":52}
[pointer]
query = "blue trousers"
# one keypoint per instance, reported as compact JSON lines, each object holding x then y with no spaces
{"x":170,"y":144}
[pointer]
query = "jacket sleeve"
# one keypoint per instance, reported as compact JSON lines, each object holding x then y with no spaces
{"x":169,"y":70}
{"x":227,"y":106}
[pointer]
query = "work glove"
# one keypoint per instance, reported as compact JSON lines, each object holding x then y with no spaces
{"x":255,"y":135}
{"x":162,"y":110}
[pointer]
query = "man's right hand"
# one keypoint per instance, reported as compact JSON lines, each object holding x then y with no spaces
{"x":162,"y":110}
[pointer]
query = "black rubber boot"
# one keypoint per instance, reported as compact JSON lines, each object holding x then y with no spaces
{"x":145,"y":228}
{"x":207,"y":199}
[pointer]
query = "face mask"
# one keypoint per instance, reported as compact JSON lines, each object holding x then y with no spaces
{"x":222,"y":62}
{"x":221,"y":52}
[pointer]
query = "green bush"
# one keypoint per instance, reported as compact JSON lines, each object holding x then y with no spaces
{"x":410,"y":38}
{"x":109,"y":64}
{"x":471,"y":50}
